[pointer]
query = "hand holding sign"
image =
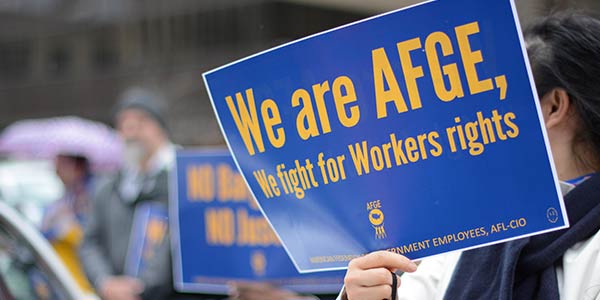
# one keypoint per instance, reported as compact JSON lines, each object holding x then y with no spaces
{"x":368,"y":277}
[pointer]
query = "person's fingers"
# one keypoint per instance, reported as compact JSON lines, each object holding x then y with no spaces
{"x":383,"y":259}
{"x":250,"y":294}
{"x":135,"y":285}
{"x":370,"y":293}
{"x":369,"y":277}
{"x":232,"y":290}
{"x":267,"y":295}
{"x":258,"y":291}
{"x":252,"y":286}
{"x":121,"y":295}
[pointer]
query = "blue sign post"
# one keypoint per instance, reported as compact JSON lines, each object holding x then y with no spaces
{"x":417,"y":131}
{"x":219,"y":234}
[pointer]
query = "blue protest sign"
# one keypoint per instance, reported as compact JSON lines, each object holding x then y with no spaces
{"x":150,"y":224}
{"x":219,"y":234}
{"x":417,"y":131}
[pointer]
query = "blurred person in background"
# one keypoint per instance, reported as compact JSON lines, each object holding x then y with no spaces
{"x":149,"y":155}
{"x":64,"y":219}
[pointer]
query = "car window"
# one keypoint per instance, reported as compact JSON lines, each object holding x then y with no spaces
{"x":25,"y":274}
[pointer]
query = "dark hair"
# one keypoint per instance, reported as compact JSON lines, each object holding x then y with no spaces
{"x":564,"y":51}
{"x":80,"y":161}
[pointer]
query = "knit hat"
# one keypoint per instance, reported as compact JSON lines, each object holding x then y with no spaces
{"x":150,"y":102}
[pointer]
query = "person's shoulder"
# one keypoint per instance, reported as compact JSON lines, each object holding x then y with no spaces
{"x":591,"y":245}
{"x":104,"y":183}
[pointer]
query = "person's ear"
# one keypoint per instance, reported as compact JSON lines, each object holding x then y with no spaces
{"x":556,"y":106}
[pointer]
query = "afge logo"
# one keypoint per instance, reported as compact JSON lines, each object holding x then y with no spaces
{"x":376,"y":218}
{"x":258,"y":262}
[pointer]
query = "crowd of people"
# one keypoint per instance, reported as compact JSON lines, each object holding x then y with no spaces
{"x":89,"y":226}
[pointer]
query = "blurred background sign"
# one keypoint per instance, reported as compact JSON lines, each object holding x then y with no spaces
{"x":147,"y":234}
{"x":219,"y":234}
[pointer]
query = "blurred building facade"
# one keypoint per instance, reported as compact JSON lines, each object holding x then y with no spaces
{"x":73,"y":57}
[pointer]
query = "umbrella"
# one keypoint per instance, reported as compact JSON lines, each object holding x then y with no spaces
{"x":46,"y":138}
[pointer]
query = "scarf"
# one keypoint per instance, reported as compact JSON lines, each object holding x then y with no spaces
{"x":525,"y":268}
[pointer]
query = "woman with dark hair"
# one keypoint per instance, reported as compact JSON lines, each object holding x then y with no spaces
{"x":564,"y":52}
{"x":64,"y":219}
